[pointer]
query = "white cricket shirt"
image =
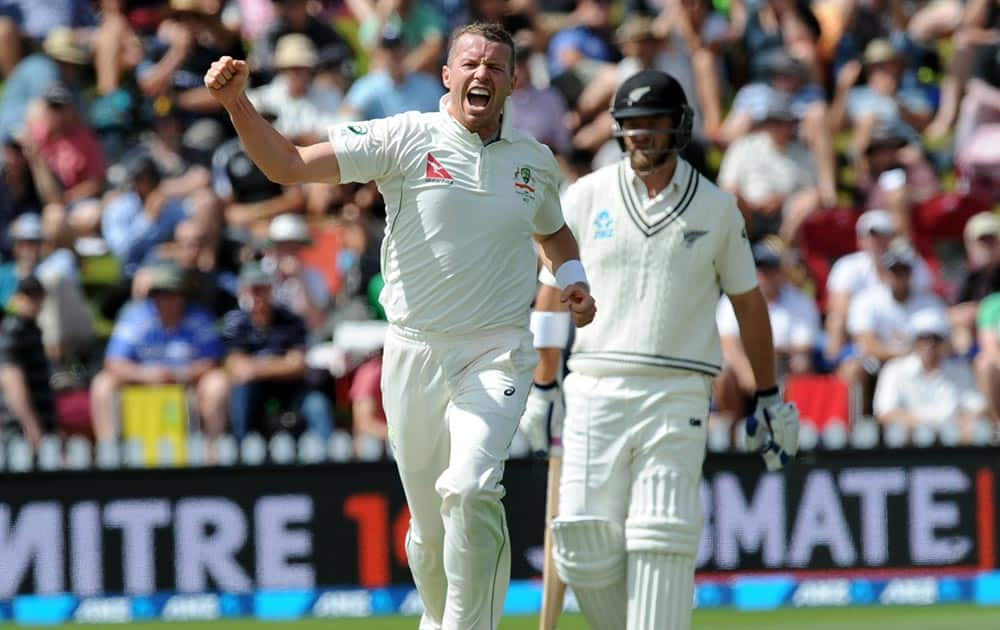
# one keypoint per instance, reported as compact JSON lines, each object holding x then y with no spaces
{"x":457,"y":255}
{"x":875,"y":310}
{"x":656,"y":269}
{"x":855,"y":272}
{"x":935,"y":397}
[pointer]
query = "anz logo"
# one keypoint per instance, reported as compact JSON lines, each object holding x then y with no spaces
{"x":604,"y":225}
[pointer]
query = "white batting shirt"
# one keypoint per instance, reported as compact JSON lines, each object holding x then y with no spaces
{"x":460,"y":216}
{"x":656,"y":269}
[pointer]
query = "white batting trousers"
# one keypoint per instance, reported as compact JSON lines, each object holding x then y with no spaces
{"x":634,"y":448}
{"x":452,"y":405}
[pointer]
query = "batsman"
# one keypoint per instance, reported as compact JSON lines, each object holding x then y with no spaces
{"x":660,"y":243}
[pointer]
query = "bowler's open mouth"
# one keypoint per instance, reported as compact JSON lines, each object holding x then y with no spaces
{"x":479,"y":97}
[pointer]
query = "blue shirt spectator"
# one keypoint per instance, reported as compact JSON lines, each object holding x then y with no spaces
{"x":587,"y":41}
{"x":131,"y":234}
{"x":377,"y":96}
{"x":139,"y":336}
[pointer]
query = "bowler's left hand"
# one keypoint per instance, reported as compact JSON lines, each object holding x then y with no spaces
{"x":581,"y":303}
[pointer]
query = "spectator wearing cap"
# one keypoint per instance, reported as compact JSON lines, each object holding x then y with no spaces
{"x":142,"y":217}
{"x":68,"y":147}
{"x":858,"y":271}
{"x":771,"y":173}
{"x":882,"y":98}
{"x":895,"y":173}
{"x":61,"y":60}
{"x":24,"y":24}
{"x":643,"y":49}
{"x":794,"y":328}
{"x":391,"y":88}
{"x":65,"y":320}
{"x":539,"y":112}
{"x":297,"y":287}
{"x":778,"y":71}
{"x":982,"y":278}
{"x":265,"y":361}
{"x":26,"y":397}
{"x":927,"y":387}
{"x":420,"y":25}
{"x":293,"y":16}
{"x":879,"y":316}
{"x":194,"y":252}
{"x":159,"y":340}
{"x":304,"y":110}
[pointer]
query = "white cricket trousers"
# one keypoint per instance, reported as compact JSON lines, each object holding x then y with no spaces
{"x":634,"y":448}
{"x":452,"y":404}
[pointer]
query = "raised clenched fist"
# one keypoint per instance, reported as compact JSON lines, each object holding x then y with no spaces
{"x":226,"y":79}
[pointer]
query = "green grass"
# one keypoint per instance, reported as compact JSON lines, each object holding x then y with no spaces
{"x":959,"y":617}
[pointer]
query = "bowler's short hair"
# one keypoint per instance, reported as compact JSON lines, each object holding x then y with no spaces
{"x":489,"y":31}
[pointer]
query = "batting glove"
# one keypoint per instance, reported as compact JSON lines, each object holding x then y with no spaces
{"x":542,"y":421}
{"x":773,"y":429}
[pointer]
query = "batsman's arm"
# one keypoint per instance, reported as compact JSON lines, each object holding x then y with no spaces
{"x":755,"y":332}
{"x":549,"y":324}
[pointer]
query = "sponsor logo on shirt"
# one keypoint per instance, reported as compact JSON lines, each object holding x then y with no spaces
{"x":690,"y":236}
{"x":357,"y":130}
{"x":524,"y":183}
{"x":604,"y":225}
{"x":436,"y":172}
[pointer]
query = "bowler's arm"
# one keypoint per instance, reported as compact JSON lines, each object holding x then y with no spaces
{"x":755,"y":332}
{"x":557,"y":248}
{"x":276,"y":156}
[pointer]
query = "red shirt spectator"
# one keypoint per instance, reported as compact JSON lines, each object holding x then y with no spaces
{"x":366,"y":400}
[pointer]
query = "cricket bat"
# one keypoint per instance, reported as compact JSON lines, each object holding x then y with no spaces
{"x":553,"y":590}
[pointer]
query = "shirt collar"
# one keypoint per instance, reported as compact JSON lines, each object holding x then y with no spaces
{"x":681,"y":175}
{"x":506,"y":119}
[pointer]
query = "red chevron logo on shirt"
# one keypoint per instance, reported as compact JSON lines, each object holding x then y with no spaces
{"x":436,"y":171}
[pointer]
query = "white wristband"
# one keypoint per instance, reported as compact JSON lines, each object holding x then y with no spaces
{"x":551,"y":329}
{"x":545,"y":277}
{"x":570,"y":272}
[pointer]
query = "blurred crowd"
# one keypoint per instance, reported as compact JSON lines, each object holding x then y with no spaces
{"x":144,"y":248}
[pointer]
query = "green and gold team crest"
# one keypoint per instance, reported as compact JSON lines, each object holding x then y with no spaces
{"x":524,"y":183}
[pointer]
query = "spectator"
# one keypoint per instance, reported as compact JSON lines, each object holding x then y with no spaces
{"x":185,"y":44}
{"x":192,"y":250}
{"x":19,"y":192}
{"x":249,"y":199}
{"x":894,"y":174}
{"x":420,"y":26}
{"x":181,"y":172}
{"x":65,"y":320}
{"x":883,"y":98}
{"x":61,"y":60}
{"x":771,"y":173}
{"x":585,"y":44}
{"x":856,"y":272}
{"x":926,"y":387}
{"x":140,"y":218}
{"x":26,"y":398}
{"x":159,"y":340}
{"x":266,"y":362}
{"x":778,"y":71}
{"x":367,"y":413}
{"x":297,"y":287}
{"x":540,"y":113}
{"x":68,"y":147}
{"x":391,"y":88}
{"x":304,"y":111}
{"x":879,"y":316}
{"x":293,"y":17}
{"x":794,"y":327}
